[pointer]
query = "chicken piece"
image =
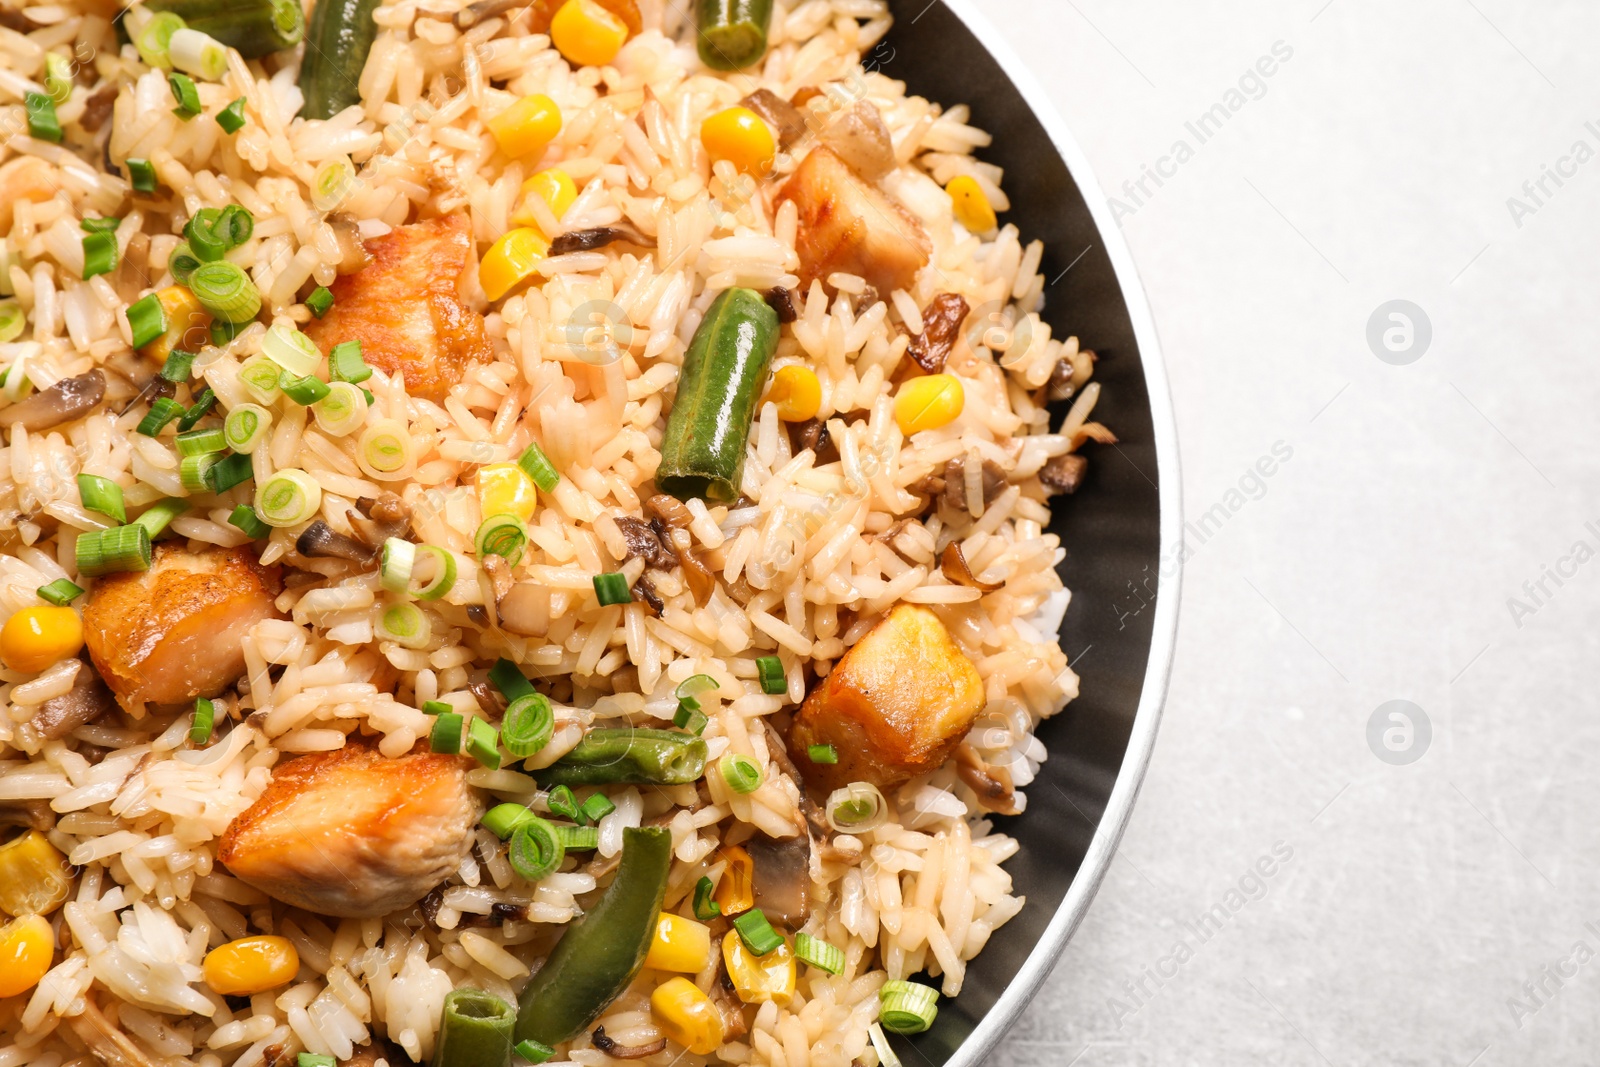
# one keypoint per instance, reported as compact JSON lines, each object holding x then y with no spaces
{"x":850,"y":225}
{"x":894,"y":707}
{"x":175,"y":631}
{"x":352,"y":833}
{"x":409,"y":308}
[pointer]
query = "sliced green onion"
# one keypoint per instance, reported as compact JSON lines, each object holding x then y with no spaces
{"x":562,"y":802}
{"x":502,"y":535}
{"x":141,"y":175}
{"x":292,"y":350}
{"x":534,"y":1052}
{"x":822,"y":754}
{"x":43,"y":124}
{"x":535,"y":850}
{"x":57,"y":77}
{"x":342,"y":410}
{"x":578,"y":838}
{"x":158,"y":516}
{"x":345,"y":363}
{"x":756,"y":932}
{"x":692,"y":719}
{"x":502,"y":820}
{"x":182,"y":263}
{"x":598,"y":807}
{"x":331,"y":183}
{"x":200,"y":54}
{"x":198,"y":410}
{"x":705,"y":909}
{"x":475,"y":1028}
{"x":192,"y":471}
{"x":200,"y":442}
{"x":395,"y":565}
{"x":506,"y":677}
{"x":59,"y":592}
{"x":244,"y":518}
{"x":311,"y":1059}
{"x":528,"y":725}
{"x":288,"y":498}
{"x":213,"y":232}
{"x":260,"y":376}
{"x":12,"y":320}
{"x":385,"y":449}
{"x":14,"y":383}
{"x":162,"y":411}
{"x":223,"y":331}
{"x":147,"y":319}
{"x":880,"y":1044}
{"x":405,"y":625}
{"x":444,"y":573}
{"x":102,"y":495}
{"x":225,"y":290}
{"x":231,"y":118}
{"x":179,"y":366}
{"x":154,"y":39}
{"x":483,"y":741}
{"x":320,"y":300}
{"x":742,"y":773}
{"x":770,"y":671}
{"x":246,"y":426}
{"x":907,"y":1007}
{"x":691,"y":688}
{"x":187,"y":96}
{"x":121,"y":548}
{"x":819,"y":953}
{"x":446,"y":733}
{"x":229,"y":471}
{"x":436,"y":707}
{"x":536,"y":465}
{"x":99,"y":225}
{"x":612,"y":588}
{"x":99,"y":254}
{"x":304,"y":391}
{"x":205,"y":714}
{"x":856,"y":809}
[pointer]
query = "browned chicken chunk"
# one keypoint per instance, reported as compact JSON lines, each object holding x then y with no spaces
{"x":847,"y":224}
{"x":407,"y":307}
{"x":174,"y":632}
{"x":352,"y":833}
{"x":895,"y":706}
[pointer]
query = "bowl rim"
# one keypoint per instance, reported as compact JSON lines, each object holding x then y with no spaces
{"x":1019,"y":992}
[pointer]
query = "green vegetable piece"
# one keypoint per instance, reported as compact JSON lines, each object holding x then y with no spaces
{"x":597,"y":807}
{"x":205,"y":714}
{"x":255,"y":27}
{"x":612,"y":588}
{"x":483,"y":743}
{"x":705,"y":909}
{"x":536,"y":850}
{"x":733,"y":33}
{"x":756,"y":932}
{"x":534,"y":1052}
{"x":198,"y":410}
{"x":822,"y":754}
{"x":629,"y":756}
{"x":320,"y":300}
{"x":158,"y":516}
{"x":770,"y":671}
{"x":142,"y":175}
{"x":562,"y":802}
{"x":162,"y":411}
{"x":702,"y":452}
{"x":344,"y":361}
{"x":474,"y":1030}
{"x":186,"y":94}
{"x":446,"y":733}
{"x":528,"y":725}
{"x":43,"y":124}
{"x":437,"y":707}
{"x":121,"y":548}
{"x":338,"y":39}
{"x":244,"y":517}
{"x":231,"y":118}
{"x":509,"y":680}
{"x":602,"y":952}
{"x":102,"y":495}
{"x":148,"y":320}
{"x":59,"y":592}
{"x":99,"y":254}
{"x":99,"y":225}
{"x":502,"y":820}
{"x":312,"y":1059}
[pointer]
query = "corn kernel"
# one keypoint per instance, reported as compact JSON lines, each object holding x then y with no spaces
{"x":35,"y":878}
{"x":27,"y":946}
{"x":250,"y":965}
{"x":587,"y":34}
{"x":511,"y":261}
{"x":758,"y":979}
{"x":36,"y":638}
{"x":188,"y":324}
{"x":928,"y":402}
{"x":679,"y":945}
{"x":687,"y":1016}
{"x":797,"y":392}
{"x":734,"y":893}
{"x":526,"y":126}
{"x":505,"y":489}
{"x":971,"y":205}
{"x":554,"y":187}
{"x":739,"y":136}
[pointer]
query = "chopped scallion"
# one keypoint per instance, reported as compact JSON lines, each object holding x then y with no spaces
{"x":43,"y":124}
{"x":506,"y":677}
{"x":562,"y":802}
{"x":692,"y":719}
{"x":102,"y":495}
{"x":260,"y":376}
{"x":770,"y":671}
{"x":598,"y":807}
{"x":612,"y":588}
{"x":320,"y":300}
{"x":304,"y":391}
{"x":292,"y":350}
{"x":528,"y":725}
{"x":578,"y":838}
{"x":483,"y":743}
{"x":182,"y":263}
{"x":231,"y":118}
{"x":446,"y":733}
{"x":436,"y":707}
{"x":178,"y":367}
{"x":225,"y":290}
{"x":705,"y":909}
{"x":200,"y":442}
{"x":121,"y":548}
{"x":99,"y":225}
{"x":158,"y":516}
{"x":185,"y":93}
{"x":58,"y":74}
{"x":756,"y":932}
{"x":405,"y":625}
{"x":818,"y":953}
{"x":535,"y":850}
{"x":142,"y":175}
{"x":59,"y":592}
{"x":154,"y":39}
{"x":245,"y":427}
{"x":822,"y":754}
{"x":536,"y":465}
{"x":228,"y":472}
{"x":205,"y":714}
{"x":742,"y":773}
{"x":502,"y":820}
{"x":198,"y":410}
{"x":200,"y":54}
{"x":162,"y":411}
{"x":345,"y":363}
{"x":244,"y":518}
{"x":341,"y":410}
{"x":99,"y":254}
{"x":312,"y":1059}
{"x":192,"y":470}
{"x":13,"y":320}
{"x":534,"y":1052}
{"x":288,"y":498}
{"x":907,"y":1007}
{"x":504,"y":536}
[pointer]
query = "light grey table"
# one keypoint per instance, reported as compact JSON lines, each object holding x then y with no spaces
{"x":1430,"y":534}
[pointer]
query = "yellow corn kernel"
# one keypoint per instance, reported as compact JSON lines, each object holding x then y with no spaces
{"x":734,"y":893}
{"x":511,"y":261}
{"x":928,"y":402}
{"x":188,"y":324}
{"x":971,"y":205}
{"x":27,"y":946}
{"x":758,"y":979}
{"x":35,"y":878}
{"x":504,"y":489}
{"x":554,"y":187}
{"x":680,"y":944}
{"x":36,"y":638}
{"x":587,"y":34}
{"x":526,"y":126}
{"x":739,"y":136}
{"x":251,"y":965}
{"x":687,"y":1016}
{"x":797,"y":392}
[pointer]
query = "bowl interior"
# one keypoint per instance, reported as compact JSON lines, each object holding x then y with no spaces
{"x":1110,"y":527}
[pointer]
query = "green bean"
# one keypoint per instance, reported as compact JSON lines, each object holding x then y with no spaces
{"x":628,"y":756}
{"x":733,"y":33}
{"x":702,"y":452}
{"x":474,"y":1030}
{"x":337,"y":43}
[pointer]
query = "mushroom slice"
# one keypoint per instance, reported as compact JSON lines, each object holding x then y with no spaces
{"x":68,"y":399}
{"x":781,"y":877}
{"x":86,"y":701}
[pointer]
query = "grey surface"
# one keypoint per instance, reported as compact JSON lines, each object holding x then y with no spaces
{"x":1379,"y":560}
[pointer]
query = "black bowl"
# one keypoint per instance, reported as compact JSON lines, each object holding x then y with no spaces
{"x":1121,"y":529}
